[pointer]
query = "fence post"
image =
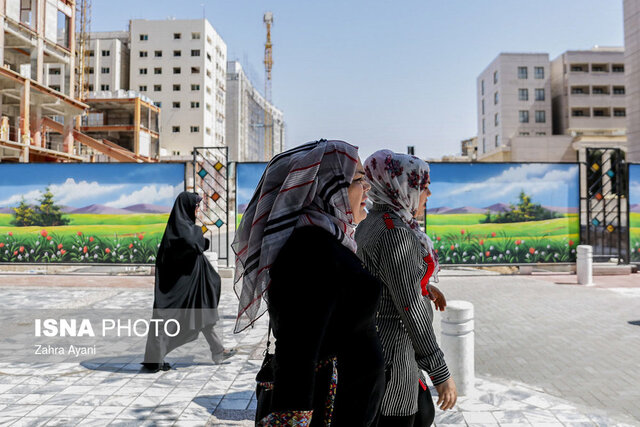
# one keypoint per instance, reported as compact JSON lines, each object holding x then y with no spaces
{"x":584,"y":265}
{"x":458,"y":344}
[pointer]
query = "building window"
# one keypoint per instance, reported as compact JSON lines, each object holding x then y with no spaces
{"x":176,"y":88}
{"x":539,"y":94}
{"x":483,"y":106}
{"x":195,"y":36}
{"x":90,"y":70}
{"x":497,"y":140}
{"x":90,"y":88}
{"x":208,"y":57}
{"x":481,"y":87}
{"x":143,"y":54}
{"x":541,"y":116}
{"x":157,"y":88}
{"x":175,"y":152}
{"x":577,"y":90}
{"x":617,"y":68}
{"x":208,"y":90}
{"x":106,"y":53}
{"x":195,"y":70}
{"x":484,"y":145}
{"x":495,"y":119}
{"x":194,"y":129}
{"x":578,"y":67}
{"x":598,"y":112}
{"x":142,"y":88}
{"x":522,"y":72}
{"x":208,"y":131}
{"x":177,"y":53}
{"x":523,"y":94}
{"x":495,"y":98}
{"x":195,"y":104}
{"x":144,"y":37}
{"x":55,"y":87}
{"x":54,"y":71}
{"x":619,"y":112}
{"x":618,"y":90}
{"x":599,"y":68}
{"x":158,"y":104}
{"x":175,"y":129}
{"x":538,"y":72}
{"x":483,"y":127}
{"x":495,"y":77}
{"x":523,"y":116}
{"x":580,"y":112}
{"x":208,"y":107}
{"x":176,"y":70}
{"x":90,"y":53}
{"x":541,"y":133}
{"x":157,"y":53}
{"x":105,"y":70}
{"x":157,"y":70}
{"x":195,"y":52}
{"x":195,"y":87}
{"x":209,"y":73}
{"x":143,"y":71}
{"x":176,"y":104}
{"x":104,"y":87}
{"x":177,"y":36}
{"x":524,"y":134}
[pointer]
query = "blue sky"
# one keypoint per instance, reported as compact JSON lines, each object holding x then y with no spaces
{"x":383,"y":74}
{"x":634,"y":184}
{"x":116,"y":184}
{"x":249,"y":175}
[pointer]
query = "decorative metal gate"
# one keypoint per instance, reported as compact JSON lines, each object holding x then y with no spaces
{"x":604,"y":201}
{"x":211,"y":180}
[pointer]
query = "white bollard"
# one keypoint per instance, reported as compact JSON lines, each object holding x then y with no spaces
{"x":458,"y":344}
{"x":584,"y":265}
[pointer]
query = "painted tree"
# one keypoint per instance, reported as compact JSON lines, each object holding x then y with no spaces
{"x":523,"y":211}
{"x":23,"y":215}
{"x":49,"y":214}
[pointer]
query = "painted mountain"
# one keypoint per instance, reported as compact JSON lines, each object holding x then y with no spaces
{"x":100,"y":209}
{"x":635,"y":208}
{"x":148,"y":208}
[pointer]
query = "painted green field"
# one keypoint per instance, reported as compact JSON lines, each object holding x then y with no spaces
{"x":462,"y":239}
{"x":634,"y":220}
{"x":88,"y":238}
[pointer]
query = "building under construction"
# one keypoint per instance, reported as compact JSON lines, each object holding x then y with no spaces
{"x":40,"y":109}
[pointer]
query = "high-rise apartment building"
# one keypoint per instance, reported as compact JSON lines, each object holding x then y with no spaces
{"x":180,"y":64}
{"x":632,"y":77}
{"x":588,"y":92}
{"x":245,"y":119}
{"x":514,"y":102}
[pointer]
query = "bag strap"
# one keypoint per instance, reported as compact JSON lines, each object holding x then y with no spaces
{"x":268,"y":339}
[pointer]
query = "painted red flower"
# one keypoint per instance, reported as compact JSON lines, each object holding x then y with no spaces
{"x":60,"y":246}
{"x":15,"y":253}
{"x":462,"y":232}
{"x":91,"y":239}
{"x":85,"y":249}
{"x":487,"y":253}
{"x":108,"y":250}
{"x":79,"y":233}
{"x":141,"y":236}
{"x":130,"y":245}
{"x":48,"y":237}
{"x":638,"y":249}
{"x":532,"y":251}
{"x":493,"y":234}
{"x":518,"y":242}
{"x":438,"y":238}
{"x":10,"y":233}
{"x":571,"y":243}
{"x":452,"y":247}
{"x":21,"y":249}
{"x":481,"y":242}
{"x":436,"y":251}
{"x":1,"y":245}
{"x":43,"y":233}
{"x":62,"y":251}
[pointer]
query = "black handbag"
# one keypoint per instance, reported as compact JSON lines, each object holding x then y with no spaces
{"x":264,"y":380}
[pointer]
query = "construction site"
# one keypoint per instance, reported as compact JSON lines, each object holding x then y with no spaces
{"x":47,"y":113}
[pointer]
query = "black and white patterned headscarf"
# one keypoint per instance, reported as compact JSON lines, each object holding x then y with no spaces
{"x":306,"y":185}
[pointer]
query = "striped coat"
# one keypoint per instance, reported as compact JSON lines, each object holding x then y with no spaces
{"x":391,"y":251}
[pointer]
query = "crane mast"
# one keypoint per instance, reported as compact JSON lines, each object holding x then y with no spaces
{"x":268,"y":65}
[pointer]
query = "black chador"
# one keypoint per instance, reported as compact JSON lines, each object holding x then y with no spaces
{"x":187,"y":287}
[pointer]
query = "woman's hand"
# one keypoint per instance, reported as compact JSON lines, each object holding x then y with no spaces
{"x":437,"y":297}
{"x":447,"y":394}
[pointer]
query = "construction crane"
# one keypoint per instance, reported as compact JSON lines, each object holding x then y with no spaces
{"x":268,"y":64}
{"x":83,"y":32}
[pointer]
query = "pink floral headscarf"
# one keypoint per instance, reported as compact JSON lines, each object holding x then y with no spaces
{"x":396,"y":181}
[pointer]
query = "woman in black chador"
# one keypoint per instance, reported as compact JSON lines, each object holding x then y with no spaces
{"x":187,"y":287}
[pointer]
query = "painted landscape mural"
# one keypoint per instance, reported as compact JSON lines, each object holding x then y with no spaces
{"x":504,"y":213}
{"x":634,"y":207}
{"x":85,"y":213}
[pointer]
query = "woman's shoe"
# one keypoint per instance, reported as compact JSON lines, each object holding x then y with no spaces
{"x":224,"y":355}
{"x":155,"y":367}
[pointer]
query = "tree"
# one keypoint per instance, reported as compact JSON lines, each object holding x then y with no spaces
{"x":24,"y":215}
{"x":523,"y":211}
{"x":49,"y":214}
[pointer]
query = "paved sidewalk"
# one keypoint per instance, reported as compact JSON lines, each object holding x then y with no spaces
{"x":526,"y":360}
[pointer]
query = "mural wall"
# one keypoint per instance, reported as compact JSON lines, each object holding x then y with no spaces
{"x":247,"y":178}
{"x":85,"y":213}
{"x":634,"y":208}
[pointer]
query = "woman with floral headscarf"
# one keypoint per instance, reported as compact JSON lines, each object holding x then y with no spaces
{"x":395,"y":249}
{"x":295,"y":250}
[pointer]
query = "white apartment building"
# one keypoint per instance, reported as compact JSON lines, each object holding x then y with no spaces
{"x":632,"y":77}
{"x":245,"y":119}
{"x":180,"y":64}
{"x":514,"y":105}
{"x":106,"y":67}
{"x":588,"y":92}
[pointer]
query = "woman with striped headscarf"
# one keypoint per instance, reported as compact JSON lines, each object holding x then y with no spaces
{"x":295,"y":256}
{"x":395,"y":249}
